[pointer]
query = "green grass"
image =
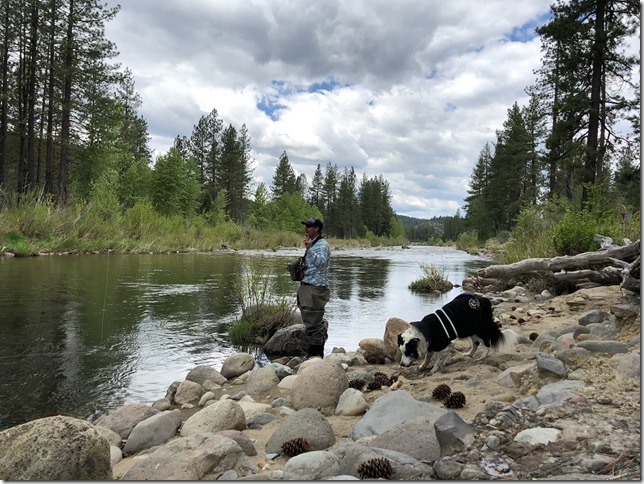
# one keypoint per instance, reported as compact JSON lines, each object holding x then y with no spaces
{"x":434,"y":280}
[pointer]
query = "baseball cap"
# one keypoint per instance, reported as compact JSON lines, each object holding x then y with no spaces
{"x":313,"y":222}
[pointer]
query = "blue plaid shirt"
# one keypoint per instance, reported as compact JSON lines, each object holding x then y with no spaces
{"x":317,"y":260}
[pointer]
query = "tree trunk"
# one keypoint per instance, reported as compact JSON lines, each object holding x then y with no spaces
{"x":592,"y":152}
{"x":68,"y":70}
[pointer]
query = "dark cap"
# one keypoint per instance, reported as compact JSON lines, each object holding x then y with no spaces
{"x":313,"y":222}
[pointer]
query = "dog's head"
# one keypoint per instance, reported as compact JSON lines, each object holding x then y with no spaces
{"x":409,"y":346}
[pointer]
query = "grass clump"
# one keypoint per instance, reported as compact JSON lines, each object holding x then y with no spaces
{"x":434,"y":279}
{"x":262,"y":312}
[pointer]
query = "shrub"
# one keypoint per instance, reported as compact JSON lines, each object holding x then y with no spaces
{"x":434,"y":279}
{"x":468,"y":241}
{"x":575,"y":234}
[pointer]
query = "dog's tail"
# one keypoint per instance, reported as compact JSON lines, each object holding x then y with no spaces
{"x":507,"y":341}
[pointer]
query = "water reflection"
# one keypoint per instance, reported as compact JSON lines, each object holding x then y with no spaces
{"x":84,"y":334}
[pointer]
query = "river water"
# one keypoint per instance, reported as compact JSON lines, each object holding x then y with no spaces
{"x":82,"y":335}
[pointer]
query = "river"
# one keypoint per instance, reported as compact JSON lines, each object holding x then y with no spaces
{"x":82,"y":335}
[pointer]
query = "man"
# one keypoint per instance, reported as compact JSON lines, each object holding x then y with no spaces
{"x":313,"y":293}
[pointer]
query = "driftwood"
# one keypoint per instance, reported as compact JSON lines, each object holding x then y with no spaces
{"x":610,"y":265}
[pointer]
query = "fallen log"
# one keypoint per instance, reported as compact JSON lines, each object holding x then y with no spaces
{"x":607,"y":266}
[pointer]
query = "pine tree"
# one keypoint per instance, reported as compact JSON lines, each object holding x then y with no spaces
{"x":315,"y":190}
{"x":284,"y":180}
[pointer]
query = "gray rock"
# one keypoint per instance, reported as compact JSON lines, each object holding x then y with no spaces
{"x":511,"y":377}
{"x":453,"y":433}
{"x":222,"y":415}
{"x":153,"y":431}
{"x":162,"y":404}
{"x":242,"y":440}
{"x":557,"y":392}
{"x":629,"y":366}
{"x":415,"y":437}
{"x":116,"y":455}
{"x":390,"y":410}
{"x":112,"y":437}
{"x":308,"y":423}
{"x":352,"y":403}
{"x":236,"y":365}
{"x":594,"y":316}
{"x":188,"y":392}
{"x":311,"y":466}
{"x":610,"y":347}
{"x":580,"y":330}
{"x":54,"y":449}
{"x":280,"y":402}
{"x":261,"y":419}
{"x":404,"y":466}
{"x":187,"y":459}
{"x":287,"y":341}
{"x":205,"y":398}
{"x":625,"y":311}
{"x":319,"y":385}
{"x":550,"y":364}
{"x":201,"y":373}
{"x":571,"y":328}
{"x":538,"y":435}
{"x":281,"y":371}
{"x":123,"y":419}
{"x":261,"y":380}
{"x":603,"y":329}
{"x":448,"y":469}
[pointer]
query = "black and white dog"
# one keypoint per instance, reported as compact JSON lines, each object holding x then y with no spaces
{"x":465,"y":316}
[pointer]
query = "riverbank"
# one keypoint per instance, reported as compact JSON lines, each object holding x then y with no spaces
{"x":573,"y":383}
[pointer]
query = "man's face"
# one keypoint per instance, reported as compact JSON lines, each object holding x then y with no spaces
{"x":310,"y":231}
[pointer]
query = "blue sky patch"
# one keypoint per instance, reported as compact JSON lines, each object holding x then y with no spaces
{"x":525,"y":32}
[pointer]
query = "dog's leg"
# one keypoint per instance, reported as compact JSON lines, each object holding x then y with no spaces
{"x":425,"y":362}
{"x":486,"y":350}
{"x":475,"y":346}
{"x":442,"y":357}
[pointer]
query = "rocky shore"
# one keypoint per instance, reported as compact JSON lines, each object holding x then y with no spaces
{"x":563,"y":405}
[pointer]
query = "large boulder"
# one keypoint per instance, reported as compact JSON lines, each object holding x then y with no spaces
{"x":201,"y":373}
{"x":124,"y":419}
{"x":153,"y":431}
{"x":308,"y":423}
{"x":393,"y":328}
{"x":54,"y":449}
{"x":290,"y":341}
{"x":261,"y":380}
{"x":187,"y":459}
{"x":222,"y":415}
{"x":237,"y":364}
{"x":319,"y":385}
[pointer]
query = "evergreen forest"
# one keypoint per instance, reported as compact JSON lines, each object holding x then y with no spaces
{"x":72,"y":142}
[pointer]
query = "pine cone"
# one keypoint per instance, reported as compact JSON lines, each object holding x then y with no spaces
{"x":441,"y":392}
{"x":382,"y":379}
{"x":374,"y":360}
{"x":533,"y":336}
{"x":358,"y":384}
{"x":373,"y":385}
{"x":377,"y":468}
{"x":295,"y":446}
{"x":455,"y":400}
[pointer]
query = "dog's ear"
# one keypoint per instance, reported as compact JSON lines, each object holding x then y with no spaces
{"x":400,"y":339}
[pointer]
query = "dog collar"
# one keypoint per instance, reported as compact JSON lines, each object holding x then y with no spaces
{"x":449,"y":336}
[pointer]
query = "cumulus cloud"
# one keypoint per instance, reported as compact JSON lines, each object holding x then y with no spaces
{"x":407,"y":89}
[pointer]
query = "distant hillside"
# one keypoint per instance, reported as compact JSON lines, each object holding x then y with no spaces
{"x":424,"y":230}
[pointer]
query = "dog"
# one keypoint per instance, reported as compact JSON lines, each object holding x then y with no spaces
{"x":466,"y":316}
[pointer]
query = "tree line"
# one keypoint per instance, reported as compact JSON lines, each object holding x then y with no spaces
{"x":566,"y":144}
{"x":70,"y":130}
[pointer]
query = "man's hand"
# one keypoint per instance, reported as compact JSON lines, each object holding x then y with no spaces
{"x":307,"y":242}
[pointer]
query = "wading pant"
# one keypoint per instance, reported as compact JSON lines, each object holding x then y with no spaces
{"x":311,"y":301}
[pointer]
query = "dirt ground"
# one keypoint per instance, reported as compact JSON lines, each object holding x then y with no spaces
{"x":477,"y":380}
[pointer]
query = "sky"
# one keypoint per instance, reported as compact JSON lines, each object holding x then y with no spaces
{"x":407,"y":89}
